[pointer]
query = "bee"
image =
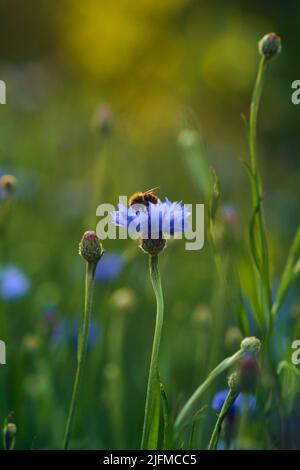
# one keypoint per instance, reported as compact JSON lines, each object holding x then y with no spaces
{"x":144,"y":198}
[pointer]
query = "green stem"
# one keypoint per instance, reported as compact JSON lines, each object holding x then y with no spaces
{"x":289,"y":275}
{"x":224,"y":365}
{"x":256,"y":189}
{"x":213,"y":443}
{"x":153,"y":372}
{"x":82,"y":348}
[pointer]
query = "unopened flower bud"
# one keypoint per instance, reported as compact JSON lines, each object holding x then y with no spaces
{"x":251,"y":345}
{"x":234,"y":382}
{"x":152,"y":246}
{"x":9,"y":436}
{"x":8,"y":183}
{"x":90,"y":247}
{"x":269,"y":46}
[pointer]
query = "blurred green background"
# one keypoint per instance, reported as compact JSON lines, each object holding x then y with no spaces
{"x":99,"y":97}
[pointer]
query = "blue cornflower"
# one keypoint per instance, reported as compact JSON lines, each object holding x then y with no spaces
{"x":237,"y":406}
{"x":65,"y":332}
{"x":124,"y":216}
{"x":110,"y":267}
{"x":13,"y":282}
{"x":159,"y":220}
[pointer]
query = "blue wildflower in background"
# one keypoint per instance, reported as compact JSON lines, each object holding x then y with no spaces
{"x":66,"y":333}
{"x":237,"y":406}
{"x":13,"y":283}
{"x":110,"y":267}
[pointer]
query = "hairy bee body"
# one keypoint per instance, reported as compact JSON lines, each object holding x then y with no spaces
{"x":144,"y":198}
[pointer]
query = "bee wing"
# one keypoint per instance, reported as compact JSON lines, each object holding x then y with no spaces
{"x":151,"y":190}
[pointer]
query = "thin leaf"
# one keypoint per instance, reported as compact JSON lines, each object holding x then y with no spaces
{"x":255,"y":250}
{"x":219,"y":369}
{"x":290,"y":384}
{"x":215,"y":193}
{"x":243,"y":318}
{"x":290,"y":272}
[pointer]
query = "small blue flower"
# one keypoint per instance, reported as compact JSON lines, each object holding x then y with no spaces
{"x":65,"y":332}
{"x":110,"y":267}
{"x":13,"y":283}
{"x":162,"y":219}
{"x":237,"y":406}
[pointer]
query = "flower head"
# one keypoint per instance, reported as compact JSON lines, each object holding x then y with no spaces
{"x":153,"y":223}
{"x":269,"y":46}
{"x":251,"y":345}
{"x":160,"y":220}
{"x":90,"y":247}
{"x":13,"y":282}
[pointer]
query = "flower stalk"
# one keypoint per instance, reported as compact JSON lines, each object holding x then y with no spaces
{"x":91,"y":250}
{"x":248,"y":345}
{"x":82,"y":349}
{"x":189,"y":406}
{"x":231,"y":397}
{"x":269,"y":47}
{"x":259,"y":241}
{"x":153,"y":380}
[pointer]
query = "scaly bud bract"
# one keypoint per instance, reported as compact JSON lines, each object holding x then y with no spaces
{"x":152,"y":246}
{"x":251,"y":345}
{"x":269,"y":46}
{"x":90,"y":247}
{"x":234,"y":382}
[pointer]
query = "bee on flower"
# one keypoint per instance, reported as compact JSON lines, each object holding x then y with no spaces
{"x":152,"y":220}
